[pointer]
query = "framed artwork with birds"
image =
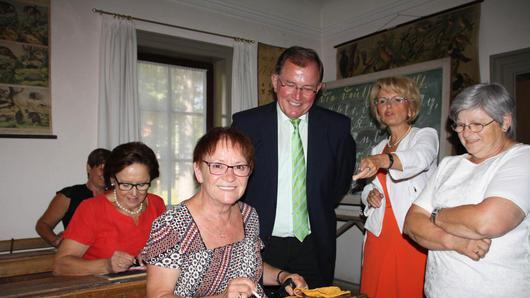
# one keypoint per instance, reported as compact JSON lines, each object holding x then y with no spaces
{"x":452,"y":33}
{"x":25,"y":101}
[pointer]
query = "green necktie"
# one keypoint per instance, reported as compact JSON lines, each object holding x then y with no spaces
{"x":300,"y":224}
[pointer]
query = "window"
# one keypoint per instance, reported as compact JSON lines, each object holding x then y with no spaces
{"x":174,"y":114}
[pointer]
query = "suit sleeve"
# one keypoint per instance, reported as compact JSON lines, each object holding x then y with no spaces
{"x":345,"y":161}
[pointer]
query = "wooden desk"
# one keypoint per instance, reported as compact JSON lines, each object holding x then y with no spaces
{"x":21,"y":263}
{"x":350,"y":221}
{"x":47,"y":285}
{"x":17,"y":245}
{"x":350,"y":218}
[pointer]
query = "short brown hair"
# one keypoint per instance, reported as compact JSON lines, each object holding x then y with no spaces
{"x":403,"y":86}
{"x":127,"y":154}
{"x":301,"y":57}
{"x":97,"y":157}
{"x":208,"y":143}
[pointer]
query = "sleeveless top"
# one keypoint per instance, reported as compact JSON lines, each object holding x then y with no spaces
{"x":76,"y":194}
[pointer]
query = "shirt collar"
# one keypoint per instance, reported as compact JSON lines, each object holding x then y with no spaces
{"x":284,"y":118}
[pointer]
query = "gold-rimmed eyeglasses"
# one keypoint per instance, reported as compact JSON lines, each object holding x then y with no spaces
{"x":474,"y":127}
{"x":218,"y":168}
{"x":306,"y":90}
{"x":389,"y":100}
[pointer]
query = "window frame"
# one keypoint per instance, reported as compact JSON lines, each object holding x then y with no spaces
{"x":150,"y":57}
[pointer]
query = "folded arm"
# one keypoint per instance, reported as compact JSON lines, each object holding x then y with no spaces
{"x":419,"y":227}
{"x":491,"y":218}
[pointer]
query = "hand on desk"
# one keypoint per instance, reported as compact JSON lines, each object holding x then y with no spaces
{"x":241,"y":287}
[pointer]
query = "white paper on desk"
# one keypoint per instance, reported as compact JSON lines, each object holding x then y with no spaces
{"x":137,"y":268}
{"x":374,"y":221}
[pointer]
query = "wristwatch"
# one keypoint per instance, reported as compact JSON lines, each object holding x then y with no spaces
{"x":434,"y":213}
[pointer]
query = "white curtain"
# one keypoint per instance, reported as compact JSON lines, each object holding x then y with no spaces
{"x":119,"y":113}
{"x":244,"y":76}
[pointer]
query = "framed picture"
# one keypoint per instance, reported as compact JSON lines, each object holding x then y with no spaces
{"x":452,"y":33}
{"x":267,"y":57}
{"x":25,"y":101}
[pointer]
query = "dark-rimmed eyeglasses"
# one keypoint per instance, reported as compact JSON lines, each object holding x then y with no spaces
{"x":474,"y":127}
{"x":218,"y":168}
{"x":389,"y":100}
{"x":306,"y":90}
{"x":124,"y":186}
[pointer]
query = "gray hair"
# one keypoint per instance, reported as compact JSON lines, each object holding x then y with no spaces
{"x":491,"y":98}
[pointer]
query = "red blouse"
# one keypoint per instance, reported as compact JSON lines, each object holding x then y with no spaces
{"x":98,"y":224}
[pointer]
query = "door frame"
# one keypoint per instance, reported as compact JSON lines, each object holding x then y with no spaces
{"x":504,"y":69}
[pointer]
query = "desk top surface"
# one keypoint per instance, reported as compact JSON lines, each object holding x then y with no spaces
{"x":44,"y":284}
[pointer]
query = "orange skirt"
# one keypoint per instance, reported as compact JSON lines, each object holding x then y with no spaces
{"x":393,"y":264}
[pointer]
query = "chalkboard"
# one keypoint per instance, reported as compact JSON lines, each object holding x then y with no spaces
{"x":351,"y":98}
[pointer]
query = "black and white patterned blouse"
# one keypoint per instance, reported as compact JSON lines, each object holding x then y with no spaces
{"x":175,"y":242}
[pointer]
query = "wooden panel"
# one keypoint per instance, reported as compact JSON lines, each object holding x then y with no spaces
{"x":14,"y":245}
{"x":26,"y":263}
{"x":47,"y":285}
{"x":134,"y":289}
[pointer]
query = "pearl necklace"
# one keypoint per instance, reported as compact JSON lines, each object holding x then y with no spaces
{"x":135,"y":212}
{"x":398,"y":140}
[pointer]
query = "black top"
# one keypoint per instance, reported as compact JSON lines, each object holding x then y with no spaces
{"x":76,"y":194}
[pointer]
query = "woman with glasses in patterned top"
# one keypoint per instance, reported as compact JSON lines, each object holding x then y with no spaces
{"x":108,"y":231}
{"x":209,"y":245}
{"x":397,"y":171}
{"x":473,"y":213}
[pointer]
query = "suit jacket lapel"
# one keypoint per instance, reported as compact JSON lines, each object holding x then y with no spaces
{"x":270,"y":137}
{"x":314,"y":136}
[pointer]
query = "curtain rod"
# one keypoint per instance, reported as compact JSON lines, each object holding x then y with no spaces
{"x":94,"y":10}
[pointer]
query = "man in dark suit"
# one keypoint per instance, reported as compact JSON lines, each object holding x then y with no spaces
{"x":297,"y":217}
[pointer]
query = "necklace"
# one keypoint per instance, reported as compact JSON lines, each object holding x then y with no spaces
{"x":135,"y":212}
{"x":398,"y":140}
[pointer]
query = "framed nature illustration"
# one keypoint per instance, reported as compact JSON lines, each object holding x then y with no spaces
{"x":267,"y":56}
{"x":25,"y":101}
{"x":452,"y":33}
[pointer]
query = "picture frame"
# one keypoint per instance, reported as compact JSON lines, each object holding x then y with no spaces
{"x":25,"y":97}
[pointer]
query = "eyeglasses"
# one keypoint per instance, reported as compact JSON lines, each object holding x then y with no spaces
{"x":474,"y":127}
{"x":217,"y":168}
{"x":129,"y":186}
{"x":389,"y":100}
{"x":306,"y":90}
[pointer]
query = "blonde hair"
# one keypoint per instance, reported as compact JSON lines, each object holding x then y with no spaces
{"x":402,"y":86}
